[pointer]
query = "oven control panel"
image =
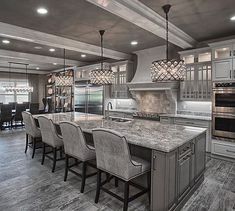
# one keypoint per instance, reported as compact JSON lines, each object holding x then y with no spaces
{"x":218,"y":85}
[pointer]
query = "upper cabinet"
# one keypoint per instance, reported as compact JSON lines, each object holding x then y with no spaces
{"x":223,"y":60}
{"x":123,"y":73}
{"x":197,"y":81}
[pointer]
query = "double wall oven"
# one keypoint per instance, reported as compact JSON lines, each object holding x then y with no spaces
{"x":224,"y":110}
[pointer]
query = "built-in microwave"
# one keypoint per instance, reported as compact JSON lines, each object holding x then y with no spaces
{"x":224,"y":125}
{"x":223,"y":98}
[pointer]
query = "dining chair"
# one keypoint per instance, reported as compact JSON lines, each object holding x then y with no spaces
{"x":75,"y":146}
{"x":34,"y":108}
{"x":5,"y":116}
{"x":113,"y":157}
{"x":51,"y":139}
{"x":17,"y":117}
{"x":32,"y":132}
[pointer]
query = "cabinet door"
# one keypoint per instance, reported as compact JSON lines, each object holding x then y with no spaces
{"x":222,"y":52}
{"x":187,"y":87}
{"x":222,"y":70}
{"x":184,"y":174}
{"x":200,"y":155}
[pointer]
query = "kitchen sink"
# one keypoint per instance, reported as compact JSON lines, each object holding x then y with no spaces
{"x":118,"y":119}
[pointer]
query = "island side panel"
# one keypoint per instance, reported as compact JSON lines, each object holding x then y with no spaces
{"x":163,"y":180}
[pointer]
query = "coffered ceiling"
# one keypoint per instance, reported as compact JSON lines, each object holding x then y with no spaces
{"x":74,"y":25}
{"x":201,"y":19}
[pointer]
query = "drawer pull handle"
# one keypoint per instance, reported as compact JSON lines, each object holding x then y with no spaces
{"x":154,"y":160}
{"x":227,"y":150}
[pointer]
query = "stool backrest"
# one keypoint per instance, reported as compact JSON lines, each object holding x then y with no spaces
{"x":19,"y":109}
{"x":112,"y":153}
{"x":74,"y":141}
{"x":34,"y":108}
{"x":30,"y":125}
{"x":48,"y":131}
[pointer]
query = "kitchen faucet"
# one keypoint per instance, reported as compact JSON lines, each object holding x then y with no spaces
{"x":111,"y":107}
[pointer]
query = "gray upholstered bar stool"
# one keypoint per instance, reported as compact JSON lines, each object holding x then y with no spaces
{"x":50,"y":138}
{"x":75,"y":146}
{"x":32,"y":131}
{"x":113,"y":157}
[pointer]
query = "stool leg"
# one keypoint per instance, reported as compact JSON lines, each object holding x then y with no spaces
{"x":54,"y":159}
{"x":61,"y":152}
{"x":34,"y":147}
{"x":43,"y":153}
{"x":66,"y":167}
{"x":98,"y":186}
{"x":149,"y":185}
{"x":84,"y":165}
{"x":126,"y":196}
{"x":27,"y":143}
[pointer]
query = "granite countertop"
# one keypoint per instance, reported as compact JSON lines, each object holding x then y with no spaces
{"x":149,"y":134}
{"x":206,"y":118}
{"x":122,"y":111}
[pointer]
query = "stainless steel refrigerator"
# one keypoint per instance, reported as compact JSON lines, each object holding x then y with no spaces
{"x":88,"y":98}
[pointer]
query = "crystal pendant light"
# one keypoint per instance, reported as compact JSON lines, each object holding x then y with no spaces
{"x":167,"y":70}
{"x":102,"y":76}
{"x":64,"y":79}
{"x":19,"y":89}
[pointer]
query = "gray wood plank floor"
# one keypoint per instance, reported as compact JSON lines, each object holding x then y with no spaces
{"x":27,"y":185}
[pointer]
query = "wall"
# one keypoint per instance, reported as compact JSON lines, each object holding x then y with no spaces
{"x":195,"y":107}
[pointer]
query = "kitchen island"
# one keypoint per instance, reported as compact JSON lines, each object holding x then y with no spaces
{"x":176,"y":153}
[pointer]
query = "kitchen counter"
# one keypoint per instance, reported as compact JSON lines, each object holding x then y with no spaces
{"x":176,"y":154}
{"x":149,"y":134}
{"x":206,"y":118}
{"x":122,"y":111}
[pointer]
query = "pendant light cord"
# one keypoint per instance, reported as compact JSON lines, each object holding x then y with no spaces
{"x":64,"y":61}
{"x":101,"y":45}
{"x":166,"y":9}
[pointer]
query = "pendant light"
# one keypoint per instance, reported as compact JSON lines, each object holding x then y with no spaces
{"x":102,"y":76}
{"x":20,"y":89}
{"x":167,"y":70}
{"x":64,"y":79}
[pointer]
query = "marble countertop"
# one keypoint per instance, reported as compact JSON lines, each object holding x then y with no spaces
{"x":122,"y":111}
{"x":206,"y":118}
{"x":149,"y":134}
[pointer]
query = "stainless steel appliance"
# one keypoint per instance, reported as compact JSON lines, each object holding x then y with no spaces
{"x":224,"y":97}
{"x":223,"y":110}
{"x":88,"y":98}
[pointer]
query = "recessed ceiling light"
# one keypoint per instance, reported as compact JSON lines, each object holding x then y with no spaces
{"x":51,"y":49}
{"x":134,"y":42}
{"x":37,"y":68}
{"x":38,"y":47}
{"x":5,"y":41}
{"x":83,"y":55}
{"x":42,"y":11}
{"x":54,"y":63}
{"x":232,"y":18}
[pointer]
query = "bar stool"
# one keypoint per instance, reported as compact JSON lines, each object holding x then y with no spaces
{"x":113,"y":157}
{"x":75,"y":146}
{"x":50,"y":138}
{"x":32,"y":131}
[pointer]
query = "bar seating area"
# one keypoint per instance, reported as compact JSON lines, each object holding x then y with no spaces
{"x":108,"y":154}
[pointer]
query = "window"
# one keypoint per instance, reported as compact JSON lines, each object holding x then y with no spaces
{"x":6,"y":97}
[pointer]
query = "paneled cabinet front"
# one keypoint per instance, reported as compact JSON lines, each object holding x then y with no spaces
{"x":222,"y":70}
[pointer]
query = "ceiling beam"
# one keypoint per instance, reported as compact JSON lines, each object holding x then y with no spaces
{"x":29,"y":35}
{"x":13,"y":56}
{"x":20,"y":70}
{"x":139,"y":14}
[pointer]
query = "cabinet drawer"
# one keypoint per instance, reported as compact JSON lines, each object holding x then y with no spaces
{"x":191,"y":122}
{"x":224,"y":149}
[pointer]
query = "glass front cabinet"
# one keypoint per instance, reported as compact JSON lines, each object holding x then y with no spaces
{"x":197,"y":81}
{"x":123,"y":73}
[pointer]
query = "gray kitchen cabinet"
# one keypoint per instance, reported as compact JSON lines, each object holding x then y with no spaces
{"x":200,"y":156}
{"x":222,"y":70}
{"x":197,"y":82}
{"x":184,"y":174}
{"x":123,"y":73}
{"x":175,"y":174}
